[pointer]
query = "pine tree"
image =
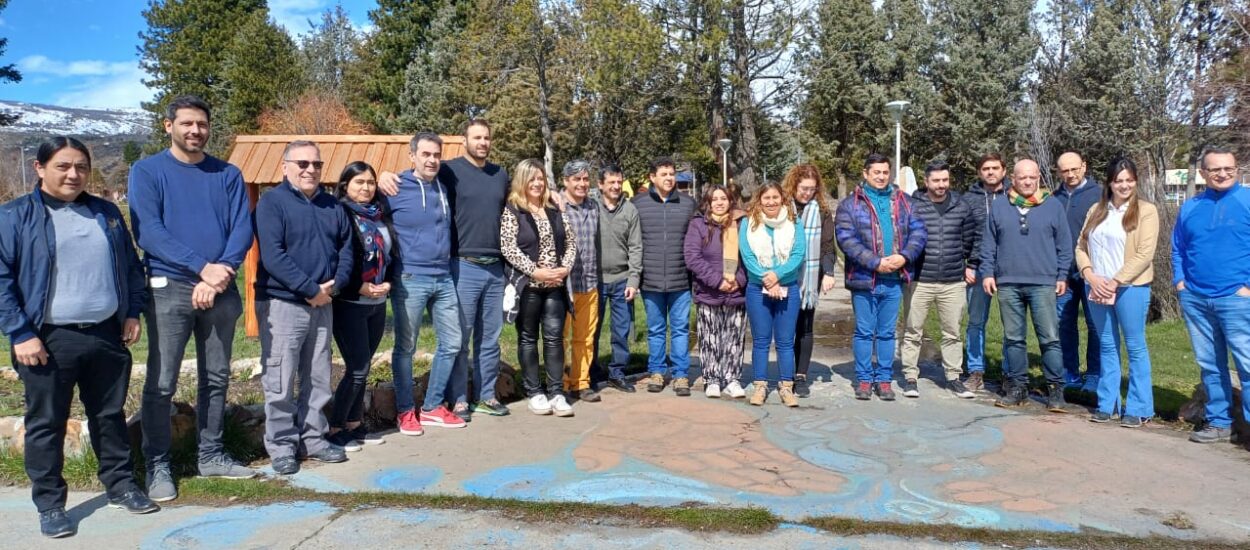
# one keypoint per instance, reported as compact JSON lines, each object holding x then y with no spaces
{"x":429,"y":99}
{"x":328,"y":49}
{"x":376,"y":79}
{"x":260,"y":69}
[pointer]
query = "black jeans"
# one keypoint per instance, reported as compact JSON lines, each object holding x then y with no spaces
{"x":94,"y":360}
{"x":803,"y":341}
{"x":357,"y":331}
{"x":545,"y":307}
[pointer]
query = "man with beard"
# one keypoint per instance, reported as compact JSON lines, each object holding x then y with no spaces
{"x":979,"y":197}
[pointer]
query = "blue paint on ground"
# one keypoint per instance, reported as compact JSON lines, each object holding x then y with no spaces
{"x":233,"y":527}
{"x":406,"y":479}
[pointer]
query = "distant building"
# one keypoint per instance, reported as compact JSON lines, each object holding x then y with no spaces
{"x":1176,"y":183}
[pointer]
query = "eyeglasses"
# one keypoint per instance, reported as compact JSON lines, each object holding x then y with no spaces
{"x":1224,"y":170}
{"x":304,"y":164}
{"x":1024,"y":225}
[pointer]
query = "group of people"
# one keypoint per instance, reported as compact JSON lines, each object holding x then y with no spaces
{"x":476,"y":248}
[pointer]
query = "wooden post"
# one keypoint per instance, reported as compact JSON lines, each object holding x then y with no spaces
{"x":250,"y":324}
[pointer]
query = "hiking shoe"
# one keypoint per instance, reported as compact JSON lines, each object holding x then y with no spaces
{"x":365,"y":437}
{"x":712,"y":390}
{"x":285,"y":465}
{"x":1100,"y":417}
{"x":681,"y":386}
{"x":759,"y":393}
{"x":55,"y":524}
{"x":161,"y":486}
{"x":975,"y":381}
{"x":330,"y":454}
{"x":1211,"y":434}
{"x":619,"y":384}
{"x":959,"y":389}
{"x":863,"y":391}
{"x":561,"y":407}
{"x":539,"y":405}
{"x":801,"y":388}
{"x":655,"y":383}
{"x":440,"y":417}
{"x":734,"y":390}
{"x":408,"y":423}
{"x":135,"y":502}
{"x":344,"y":439}
{"x":491,"y":408}
{"x":1091,"y":384}
{"x":462,"y":412}
{"x":910,"y":389}
{"x":885,"y":391}
{"x":1014,"y":397}
{"x":224,"y":466}
{"x":1054,"y":400}
{"x":589,"y":395}
{"x":785,"y":391}
{"x":1130,"y":421}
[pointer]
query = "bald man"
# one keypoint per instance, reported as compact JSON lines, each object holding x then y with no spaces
{"x":1078,"y":194}
{"x":1025,"y":259}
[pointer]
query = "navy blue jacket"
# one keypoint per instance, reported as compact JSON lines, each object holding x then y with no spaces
{"x":1075,"y":207}
{"x":303,"y":243}
{"x":28,"y":251}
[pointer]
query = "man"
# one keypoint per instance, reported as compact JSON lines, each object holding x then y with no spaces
{"x":1025,"y":258}
{"x":1078,"y":194}
{"x":191,"y":218}
{"x":421,"y":218}
{"x":882,"y":239}
{"x":1211,"y":267}
{"x":620,"y":273}
{"x":476,"y":192}
{"x":583,"y":215}
{"x":305,"y":241}
{"x":939,"y":281}
{"x":979,"y":197}
{"x":664,"y":214}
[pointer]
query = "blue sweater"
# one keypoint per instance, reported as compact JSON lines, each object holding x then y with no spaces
{"x":186,"y":216}
{"x":1040,"y":257}
{"x":788,"y":272}
{"x":1076,"y":205}
{"x":1211,"y":243}
{"x":422,"y":219}
{"x":303,"y":243}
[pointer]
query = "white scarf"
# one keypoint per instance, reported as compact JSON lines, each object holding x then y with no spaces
{"x":771,"y":251}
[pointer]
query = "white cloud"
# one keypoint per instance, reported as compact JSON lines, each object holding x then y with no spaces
{"x":119,"y":90}
{"x":295,"y":14}
{"x":39,"y":64}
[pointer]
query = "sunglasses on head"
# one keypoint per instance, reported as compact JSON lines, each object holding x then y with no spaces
{"x":304,"y":164}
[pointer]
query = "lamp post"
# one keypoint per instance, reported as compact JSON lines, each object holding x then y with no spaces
{"x":724,"y":144}
{"x":23,"y":163}
{"x":896,"y":109}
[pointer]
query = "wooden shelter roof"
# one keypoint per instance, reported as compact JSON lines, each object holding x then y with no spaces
{"x":259,"y":157}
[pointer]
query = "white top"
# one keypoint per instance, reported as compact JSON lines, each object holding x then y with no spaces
{"x":1106,"y":243}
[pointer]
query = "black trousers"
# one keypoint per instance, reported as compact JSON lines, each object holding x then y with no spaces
{"x":542,"y":308}
{"x":803,"y":341}
{"x":358,"y":330}
{"x":94,"y":360}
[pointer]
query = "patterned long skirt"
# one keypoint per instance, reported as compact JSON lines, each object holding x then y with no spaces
{"x":722,"y":330}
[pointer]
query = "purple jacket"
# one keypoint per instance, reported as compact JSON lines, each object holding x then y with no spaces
{"x":705,"y":262}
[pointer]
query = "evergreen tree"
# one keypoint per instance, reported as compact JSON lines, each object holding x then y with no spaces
{"x":8,"y":73}
{"x":328,"y":49}
{"x":906,"y":73}
{"x":376,"y":79}
{"x":429,"y":100}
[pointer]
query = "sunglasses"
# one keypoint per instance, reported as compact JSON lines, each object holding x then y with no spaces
{"x":1024,"y":225}
{"x":304,"y":164}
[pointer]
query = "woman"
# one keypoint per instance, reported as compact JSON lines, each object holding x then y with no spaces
{"x":537,"y":243}
{"x":360,"y":309}
{"x":814,"y":208}
{"x":711,"y":252}
{"x":773,"y":251}
{"x":1114,"y":253}
{"x":71,"y":289}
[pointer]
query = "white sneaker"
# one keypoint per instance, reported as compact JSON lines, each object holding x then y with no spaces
{"x":561,"y":407}
{"x":712,"y":390}
{"x":734,"y":389}
{"x":539,"y":405}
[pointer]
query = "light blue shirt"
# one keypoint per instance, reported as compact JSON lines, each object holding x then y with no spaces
{"x":84,"y":288}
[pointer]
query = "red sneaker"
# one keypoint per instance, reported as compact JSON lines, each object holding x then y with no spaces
{"x":442,"y":418}
{"x":408,"y":423}
{"x":885,"y":391}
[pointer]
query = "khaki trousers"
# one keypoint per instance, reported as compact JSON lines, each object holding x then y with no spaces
{"x":949,"y":299}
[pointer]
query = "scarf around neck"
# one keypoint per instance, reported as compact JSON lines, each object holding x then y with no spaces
{"x":1021,"y":201}
{"x":368,"y":219}
{"x":729,"y":244}
{"x":771,"y":250}
{"x":809,"y":284}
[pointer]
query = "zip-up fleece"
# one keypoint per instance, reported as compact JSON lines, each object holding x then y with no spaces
{"x":422,"y":220}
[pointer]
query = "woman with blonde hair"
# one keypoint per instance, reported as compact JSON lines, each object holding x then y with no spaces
{"x":1114,"y":253}
{"x":773,"y":252}
{"x":814,"y":208}
{"x":538,"y":245}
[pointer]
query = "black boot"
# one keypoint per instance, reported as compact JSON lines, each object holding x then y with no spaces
{"x":1054,"y":400}
{"x":1014,"y":395}
{"x":800,"y":386}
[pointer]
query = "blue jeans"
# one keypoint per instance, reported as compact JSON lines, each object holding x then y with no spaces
{"x":410,"y":297}
{"x":876,"y":316}
{"x":1015,"y":301}
{"x":1077,"y":297}
{"x":622,"y":312}
{"x":1217,"y":326}
{"x":772,"y":321}
{"x":1126,"y":316}
{"x":978,"y":314}
{"x":668,"y":312}
{"x":480,"y":289}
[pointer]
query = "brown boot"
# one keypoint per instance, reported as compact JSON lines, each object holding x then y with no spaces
{"x":759,"y":394}
{"x":786,"y":392}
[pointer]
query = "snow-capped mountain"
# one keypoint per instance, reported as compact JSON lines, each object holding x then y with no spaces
{"x":46,"y":120}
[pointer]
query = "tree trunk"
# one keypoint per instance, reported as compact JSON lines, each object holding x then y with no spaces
{"x":747,"y":152}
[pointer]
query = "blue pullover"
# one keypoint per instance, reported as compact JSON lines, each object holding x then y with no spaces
{"x":303,"y":243}
{"x":1211,"y":243}
{"x":422,"y":220}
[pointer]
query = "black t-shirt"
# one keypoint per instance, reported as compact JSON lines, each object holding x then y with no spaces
{"x":477,"y":197}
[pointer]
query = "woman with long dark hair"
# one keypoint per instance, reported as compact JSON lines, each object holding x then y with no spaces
{"x":1114,"y":253}
{"x":813,"y":209}
{"x":360,"y":308}
{"x":711,"y":252}
{"x":71,"y":290}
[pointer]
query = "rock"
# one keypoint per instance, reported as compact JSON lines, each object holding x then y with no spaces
{"x":380,"y":405}
{"x":13,"y":435}
{"x":9,"y":373}
{"x":189,"y":366}
{"x":1195,"y":412}
{"x":248,"y":368}
{"x":506,"y":386}
{"x":381,"y":360}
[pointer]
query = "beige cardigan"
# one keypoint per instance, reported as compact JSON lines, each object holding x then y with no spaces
{"x":1139,"y":247}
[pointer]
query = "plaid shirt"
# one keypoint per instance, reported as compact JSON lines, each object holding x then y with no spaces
{"x":584,"y":218}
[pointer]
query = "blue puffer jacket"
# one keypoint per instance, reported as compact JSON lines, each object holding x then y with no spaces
{"x":859,"y":236}
{"x":28,"y":250}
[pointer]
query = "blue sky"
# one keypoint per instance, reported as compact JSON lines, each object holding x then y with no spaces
{"x":82,"y":53}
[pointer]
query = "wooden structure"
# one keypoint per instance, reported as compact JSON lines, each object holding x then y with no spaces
{"x":260,"y":160}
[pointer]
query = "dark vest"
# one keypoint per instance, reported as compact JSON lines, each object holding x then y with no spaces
{"x":527,"y":232}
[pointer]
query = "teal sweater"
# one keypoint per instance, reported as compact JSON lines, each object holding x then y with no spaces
{"x":880,"y":199}
{"x":788,"y":272}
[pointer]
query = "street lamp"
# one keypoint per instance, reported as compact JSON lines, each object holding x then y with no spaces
{"x":896,"y":109}
{"x":724,"y":144}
